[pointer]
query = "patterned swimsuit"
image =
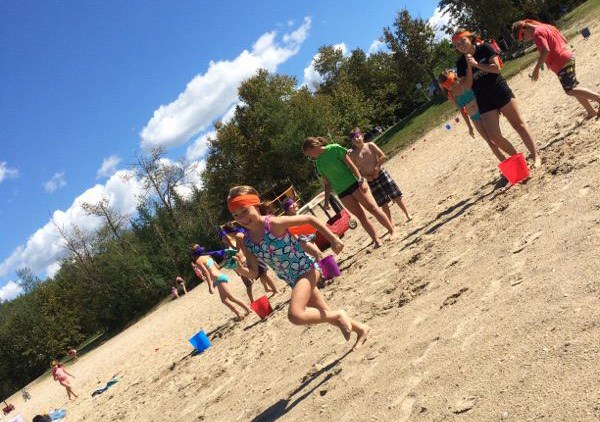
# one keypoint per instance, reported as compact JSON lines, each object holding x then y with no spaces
{"x":283,"y":254}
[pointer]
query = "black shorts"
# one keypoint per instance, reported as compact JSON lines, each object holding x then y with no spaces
{"x":567,"y":76}
{"x":494,"y":99}
{"x":349,"y":191}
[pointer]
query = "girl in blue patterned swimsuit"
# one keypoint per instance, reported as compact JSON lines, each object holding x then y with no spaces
{"x":268,"y":239}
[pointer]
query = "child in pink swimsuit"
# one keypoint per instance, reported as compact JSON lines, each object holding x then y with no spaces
{"x":59,"y":373}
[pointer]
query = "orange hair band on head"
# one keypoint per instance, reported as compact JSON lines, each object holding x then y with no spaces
{"x":450,"y":79}
{"x":461,"y":35}
{"x":243,"y":201}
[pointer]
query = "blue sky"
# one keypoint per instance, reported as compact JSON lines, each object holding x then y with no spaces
{"x":87,"y":85}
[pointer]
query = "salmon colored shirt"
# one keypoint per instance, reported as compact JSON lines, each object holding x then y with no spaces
{"x":547,"y":37}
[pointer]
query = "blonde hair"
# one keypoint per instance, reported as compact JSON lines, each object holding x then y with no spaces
{"x":263,"y":208}
{"x":313,"y":142}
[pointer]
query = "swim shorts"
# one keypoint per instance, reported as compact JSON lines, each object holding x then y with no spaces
{"x":567,"y":77}
{"x":384,"y":189}
{"x":350,"y":190}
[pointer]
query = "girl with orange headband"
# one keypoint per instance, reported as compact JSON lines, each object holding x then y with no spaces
{"x":492,"y":93}
{"x":554,"y":51}
{"x":268,"y":238}
{"x":218,"y":280}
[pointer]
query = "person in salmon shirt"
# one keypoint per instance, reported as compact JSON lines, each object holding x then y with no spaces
{"x":554,"y":51}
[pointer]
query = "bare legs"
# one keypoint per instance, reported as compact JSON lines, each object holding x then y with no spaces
{"x":497,"y":152}
{"x":307,"y":306}
{"x":228,"y":299}
{"x":312,"y":249}
{"x":267,"y":281}
{"x":585,"y":97}
{"x":400,"y":203}
{"x":491,"y":123}
{"x":512,"y":114}
{"x":70,"y":391}
{"x":355,"y":203}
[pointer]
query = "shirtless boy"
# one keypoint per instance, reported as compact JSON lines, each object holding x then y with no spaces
{"x":369,"y":159}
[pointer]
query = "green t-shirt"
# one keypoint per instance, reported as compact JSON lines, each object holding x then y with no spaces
{"x":331,"y":165}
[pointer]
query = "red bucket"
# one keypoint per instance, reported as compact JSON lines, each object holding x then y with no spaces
{"x":262,"y":307}
{"x":329,"y":268}
{"x":514,"y":169}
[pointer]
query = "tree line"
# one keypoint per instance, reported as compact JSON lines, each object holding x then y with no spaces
{"x":114,"y":275}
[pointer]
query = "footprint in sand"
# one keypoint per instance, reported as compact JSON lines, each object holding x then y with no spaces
{"x":492,"y":289}
{"x":584,"y":191}
{"x":519,"y":245}
{"x":406,"y":399}
{"x":428,"y":349}
{"x":515,"y":276}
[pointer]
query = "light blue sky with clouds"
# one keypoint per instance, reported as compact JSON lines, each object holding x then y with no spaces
{"x":88,"y":85}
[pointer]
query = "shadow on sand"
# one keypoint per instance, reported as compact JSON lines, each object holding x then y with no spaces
{"x":283,"y":406}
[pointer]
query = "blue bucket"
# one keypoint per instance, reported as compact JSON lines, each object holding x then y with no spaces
{"x":200,"y":341}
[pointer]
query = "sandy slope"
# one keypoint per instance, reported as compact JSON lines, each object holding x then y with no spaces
{"x":487,"y":309}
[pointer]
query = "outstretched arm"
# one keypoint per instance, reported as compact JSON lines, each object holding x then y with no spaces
{"x":251,"y":268}
{"x":279,"y":225}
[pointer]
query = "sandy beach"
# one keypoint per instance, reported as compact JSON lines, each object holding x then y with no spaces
{"x":486,"y":307}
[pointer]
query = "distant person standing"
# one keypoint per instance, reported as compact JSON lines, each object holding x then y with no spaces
{"x":180,"y":282}
{"x":25,"y":394}
{"x":60,"y":374}
{"x":72,"y":353}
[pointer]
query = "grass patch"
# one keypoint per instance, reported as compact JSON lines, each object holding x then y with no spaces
{"x":590,"y":10}
{"x":404,"y":133}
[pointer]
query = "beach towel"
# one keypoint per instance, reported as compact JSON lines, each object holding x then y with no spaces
{"x":106,"y":387}
{"x":57,"y":414}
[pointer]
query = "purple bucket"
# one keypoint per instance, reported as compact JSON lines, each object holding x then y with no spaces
{"x":329,"y":268}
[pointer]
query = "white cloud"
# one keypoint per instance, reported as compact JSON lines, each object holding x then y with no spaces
{"x":193,"y":178}
{"x":10,"y":290}
{"x":207,"y":96}
{"x":55,"y":183}
{"x":109,"y":166}
{"x":377,"y":46}
{"x":6,"y":172}
{"x":437,"y":21}
{"x":312,"y":78}
{"x":199,"y":147}
{"x":44,"y":249}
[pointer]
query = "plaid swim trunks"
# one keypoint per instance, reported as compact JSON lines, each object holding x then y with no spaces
{"x":384,"y":189}
{"x":567,"y":77}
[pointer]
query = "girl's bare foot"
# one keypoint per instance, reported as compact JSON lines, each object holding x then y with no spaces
{"x":362,"y":333}
{"x":345,"y":324}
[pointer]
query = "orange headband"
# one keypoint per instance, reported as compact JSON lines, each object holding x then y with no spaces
{"x":243,"y":201}
{"x":450,"y":79}
{"x":460,"y":35}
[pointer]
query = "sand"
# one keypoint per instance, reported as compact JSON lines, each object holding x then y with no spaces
{"x":485,"y":309}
